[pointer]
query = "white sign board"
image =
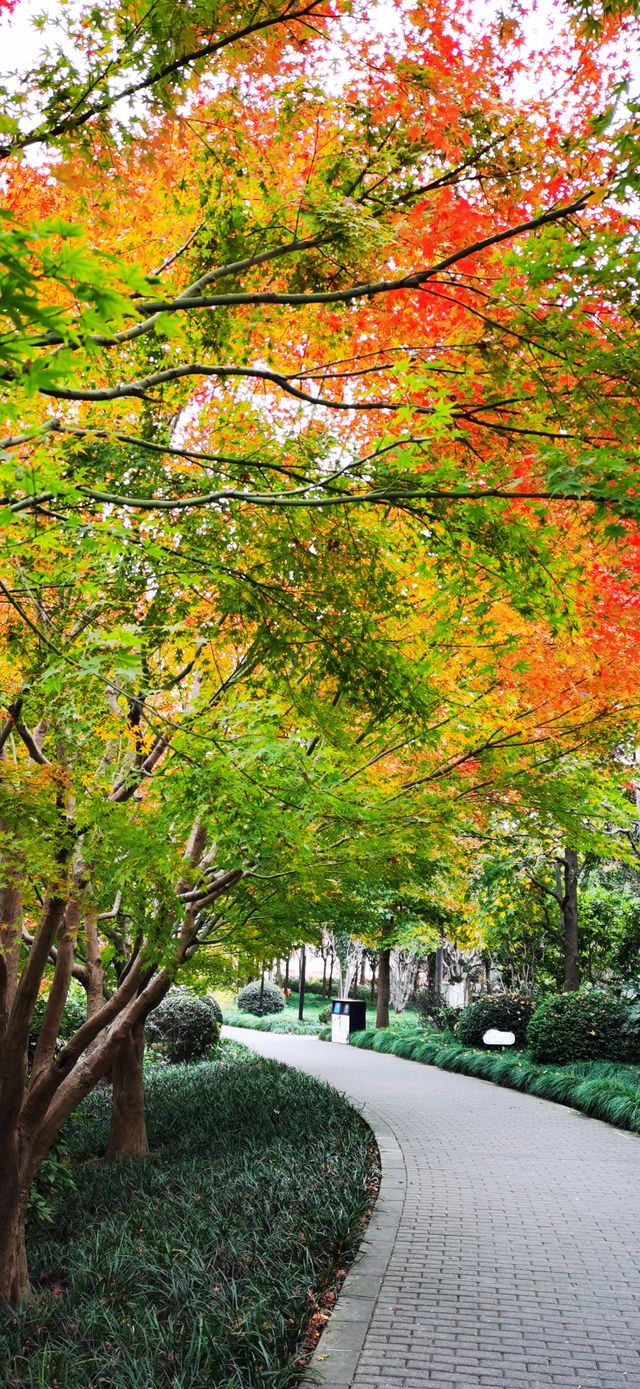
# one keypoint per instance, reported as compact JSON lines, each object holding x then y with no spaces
{"x":494,"y":1038}
{"x":339,"y":1027}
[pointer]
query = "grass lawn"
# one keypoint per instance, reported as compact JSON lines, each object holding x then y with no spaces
{"x":287,"y":1020}
{"x":201,"y":1267}
{"x":606,"y":1090}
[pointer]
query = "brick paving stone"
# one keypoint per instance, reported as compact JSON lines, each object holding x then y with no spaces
{"x":512,"y":1259}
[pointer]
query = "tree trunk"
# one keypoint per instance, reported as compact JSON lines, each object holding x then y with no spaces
{"x":14,"y":1277}
{"x":362,"y":970}
{"x":128,"y":1134}
{"x":302,"y":981}
{"x":384,"y":987}
{"x":570,"y":915}
{"x":374,"y":966}
{"x":330,"y":986}
{"x":438,"y":970}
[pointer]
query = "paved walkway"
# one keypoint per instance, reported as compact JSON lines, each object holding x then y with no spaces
{"x":504,"y":1251}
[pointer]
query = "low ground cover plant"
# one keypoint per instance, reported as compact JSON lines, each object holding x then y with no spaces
{"x":579,"y":1027}
{"x":603,"y":1089}
{"x":315,"y":1009}
{"x":201,"y":1265}
{"x":285,"y":1022}
{"x":260,"y":998}
{"x":508,"y":1012}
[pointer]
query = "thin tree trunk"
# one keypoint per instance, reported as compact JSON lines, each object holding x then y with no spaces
{"x":570,"y":915}
{"x":10,"y":912}
{"x":384,"y":987}
{"x":362,"y":968}
{"x":324,"y":976}
{"x":128,"y":1134}
{"x":374,"y":966}
{"x":437,"y":982}
{"x":302,"y":982}
{"x":330,"y":990}
{"x":95,"y":971}
{"x":14,"y":1277}
{"x":286,"y":971}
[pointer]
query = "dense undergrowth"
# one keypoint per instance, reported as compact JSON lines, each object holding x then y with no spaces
{"x":603,"y":1089}
{"x":201,"y":1266}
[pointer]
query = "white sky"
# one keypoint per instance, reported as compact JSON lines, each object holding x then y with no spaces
{"x":21,"y":43}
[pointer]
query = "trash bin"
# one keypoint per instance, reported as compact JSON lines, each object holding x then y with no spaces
{"x":347,"y":1015}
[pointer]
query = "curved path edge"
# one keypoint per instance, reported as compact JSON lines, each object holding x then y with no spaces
{"x":503,"y":1250}
{"x":334,"y":1361}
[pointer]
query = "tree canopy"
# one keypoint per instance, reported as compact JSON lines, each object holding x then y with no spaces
{"x":319,"y":560}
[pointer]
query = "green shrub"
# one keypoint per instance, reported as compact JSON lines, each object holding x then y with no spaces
{"x":311,"y":986}
{"x":579,"y":1027}
{"x":213,"y":1004}
{"x":631,"y":1030}
{"x":259,"y":999}
{"x":363,"y":992}
{"x":54,"y":1181}
{"x":74,"y":1014}
{"x":324,"y":1015}
{"x":428,"y":1005}
{"x":604,"y":1089}
{"x":185,"y":1026}
{"x":507,"y":1012}
{"x":434,"y":1012}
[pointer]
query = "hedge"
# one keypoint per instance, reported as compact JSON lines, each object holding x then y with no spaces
{"x":601,"y":1089}
{"x":579,"y":1027}
{"x":506,"y":1012}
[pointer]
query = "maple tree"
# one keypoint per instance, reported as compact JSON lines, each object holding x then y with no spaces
{"x":342,"y":383}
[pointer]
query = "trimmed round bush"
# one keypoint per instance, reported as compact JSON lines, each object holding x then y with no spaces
{"x":213,"y":1004}
{"x":506,"y":1012}
{"x":185,"y":1026}
{"x":324,"y":1016}
{"x":579,"y":1027}
{"x":250,"y":1001}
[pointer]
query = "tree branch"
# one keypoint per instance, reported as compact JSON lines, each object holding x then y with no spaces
{"x":75,"y":122}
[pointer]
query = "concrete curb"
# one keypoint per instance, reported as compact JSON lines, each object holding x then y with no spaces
{"x":335,"y":1359}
